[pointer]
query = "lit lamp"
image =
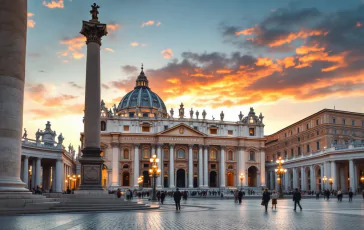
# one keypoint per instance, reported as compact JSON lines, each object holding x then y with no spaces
{"x":154,"y":172}
{"x":331,"y":182}
{"x":241,"y":180}
{"x":362,"y":180}
{"x":280,"y":171}
{"x":324,"y":180}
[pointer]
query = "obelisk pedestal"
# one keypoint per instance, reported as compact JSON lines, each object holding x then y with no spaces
{"x":91,"y":161}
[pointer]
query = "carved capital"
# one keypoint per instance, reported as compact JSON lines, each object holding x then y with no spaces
{"x":171,"y":145}
{"x":93,"y":31}
{"x":114,"y":144}
{"x":136,"y":145}
{"x":241,"y":148}
{"x":160,"y":145}
{"x":26,"y":157}
{"x":206,"y":146}
{"x":200,"y":146}
{"x":190,"y":146}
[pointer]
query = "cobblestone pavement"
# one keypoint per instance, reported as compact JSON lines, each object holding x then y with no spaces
{"x":206,"y":214}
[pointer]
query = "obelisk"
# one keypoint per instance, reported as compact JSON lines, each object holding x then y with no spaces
{"x":13,"y":34}
{"x":91,"y":161}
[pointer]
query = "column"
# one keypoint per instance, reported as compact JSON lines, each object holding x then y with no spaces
{"x":322,"y":176}
{"x":13,"y":24}
{"x":26,"y":171}
{"x":59,"y":179}
{"x":115,"y":180}
{"x":171,"y":166}
{"x":54,"y":178}
{"x":205,"y":167}
{"x":276,"y":182}
{"x":294,"y":178}
{"x":356,"y":173}
{"x":136,"y":165}
{"x":312,"y":178}
{"x":91,"y":161}
{"x":343,"y":179}
{"x":351,"y":175}
{"x":303,"y":179}
{"x":286,"y":181}
{"x":190,"y":166}
{"x":159,"y":156}
{"x":271,"y":186}
{"x":37,"y":174}
{"x":262,"y":167}
{"x":242,"y":168}
{"x":200,"y":167}
{"x":33,"y":172}
{"x":222,"y":167}
{"x":334,"y":175}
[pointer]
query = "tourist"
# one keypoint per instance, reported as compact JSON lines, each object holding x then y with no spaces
{"x":118,"y":193}
{"x":177,"y":199}
{"x":297,"y":199}
{"x":351,"y":195}
{"x":240,"y":196}
{"x":163,"y":196}
{"x":128,"y":194}
{"x":339,"y":196}
{"x":265,"y":199}
{"x":317,"y":195}
{"x":274,"y":199}
{"x":236,"y":196}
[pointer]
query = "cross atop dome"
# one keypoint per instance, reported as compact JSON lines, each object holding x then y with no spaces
{"x":142,"y":79}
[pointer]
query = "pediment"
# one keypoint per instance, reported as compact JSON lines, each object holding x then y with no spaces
{"x":181,"y":130}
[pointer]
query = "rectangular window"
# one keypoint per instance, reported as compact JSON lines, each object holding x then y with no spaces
{"x":299,"y":150}
{"x":292,"y":152}
{"x":333,"y":120}
{"x":145,"y":129}
{"x":146,"y":165}
{"x":307,"y":127}
{"x":194,"y":165}
{"x":213,"y":166}
{"x":334,"y":131}
{"x":298,"y":139}
{"x":165,"y":127}
{"x":285,"y":154}
{"x":230,"y":132}
{"x":353,"y":123}
{"x":146,"y":154}
{"x":317,"y":132}
{"x":285,"y":135}
{"x":165,"y":165}
{"x":145,"y":114}
{"x":344,"y":121}
{"x":317,"y":122}
{"x":126,"y":128}
{"x":213,"y":131}
{"x":318,"y":145}
{"x":131,"y":114}
{"x":362,"y":123}
{"x":298,"y":130}
{"x":251,"y":132}
{"x":195,"y":127}
{"x":308,"y":149}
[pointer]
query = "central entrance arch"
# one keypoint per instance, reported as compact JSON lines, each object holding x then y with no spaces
{"x":181,"y":178}
{"x":126,"y":179}
{"x":230,"y":179}
{"x":213,"y":177}
{"x":252,"y":176}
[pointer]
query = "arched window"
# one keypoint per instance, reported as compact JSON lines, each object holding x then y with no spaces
{"x":252,"y":156}
{"x":166,"y":153}
{"x":213,"y":154}
{"x":146,"y":153}
{"x":126,"y":153}
{"x":181,"y":154}
{"x":230,"y":156}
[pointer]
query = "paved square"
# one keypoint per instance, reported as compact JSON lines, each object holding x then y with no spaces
{"x":206,"y":214}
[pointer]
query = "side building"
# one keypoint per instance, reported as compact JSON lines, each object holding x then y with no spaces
{"x":328,"y":144}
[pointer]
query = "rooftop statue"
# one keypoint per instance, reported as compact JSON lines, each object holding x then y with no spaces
{"x":222,"y":115}
{"x":181,"y":111}
{"x":171,"y":112}
{"x":60,"y":139}
{"x":191,"y":113}
{"x":197,"y":113}
{"x":94,"y":12}
{"x":204,"y":114}
{"x":241,"y":116}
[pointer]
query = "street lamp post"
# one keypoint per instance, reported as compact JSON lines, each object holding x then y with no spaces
{"x":324,"y":180}
{"x":362,"y":181}
{"x":241,"y":180}
{"x":280,"y":171}
{"x":330,"y":181}
{"x":140,"y":181}
{"x":154,"y":172}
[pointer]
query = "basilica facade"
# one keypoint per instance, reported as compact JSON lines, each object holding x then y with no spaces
{"x":194,"y":152}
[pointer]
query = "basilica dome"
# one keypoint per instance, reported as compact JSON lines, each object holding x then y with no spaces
{"x":142,"y":101}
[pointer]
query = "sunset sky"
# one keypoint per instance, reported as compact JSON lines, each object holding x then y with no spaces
{"x":287,"y":59}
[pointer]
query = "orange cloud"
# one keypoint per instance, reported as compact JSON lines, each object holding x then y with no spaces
{"x":112,"y":27}
{"x":249,"y":31}
{"x":110,"y":50}
{"x":283,"y":39}
{"x":31,"y":23}
{"x":308,"y":49}
{"x":148,"y":23}
{"x":167,"y":53}
{"x":358,"y":24}
{"x":134,"y":44}
{"x":158,"y":24}
{"x":54,"y":4}
{"x":74,"y":46}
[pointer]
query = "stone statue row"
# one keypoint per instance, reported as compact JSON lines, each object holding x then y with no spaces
{"x":47,"y":135}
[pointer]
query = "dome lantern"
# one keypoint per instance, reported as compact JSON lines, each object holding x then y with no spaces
{"x":142,"y":80}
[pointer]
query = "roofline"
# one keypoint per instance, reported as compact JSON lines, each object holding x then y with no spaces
{"x":315,"y":114}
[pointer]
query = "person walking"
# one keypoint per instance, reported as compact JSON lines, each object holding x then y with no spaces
{"x":265,"y":199}
{"x":163,"y":196}
{"x":339,"y":196}
{"x":297,"y":199}
{"x":177,"y":199}
{"x":274,"y":199}
{"x":351,"y":195}
{"x":240,"y":196}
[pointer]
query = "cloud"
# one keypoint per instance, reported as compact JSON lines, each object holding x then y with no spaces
{"x":75,"y":85}
{"x":58,"y":101}
{"x":158,"y":24}
{"x":112,"y":26}
{"x":134,"y":44}
{"x":54,"y":4}
{"x":55,"y":112}
{"x":105,"y":86}
{"x":129,"y":69}
{"x":31,"y":23}
{"x":110,"y":50}
{"x":148,"y":23}
{"x":167,"y":53}
{"x":74,"y":46}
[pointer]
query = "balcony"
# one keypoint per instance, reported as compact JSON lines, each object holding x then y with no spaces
{"x":41,"y":144}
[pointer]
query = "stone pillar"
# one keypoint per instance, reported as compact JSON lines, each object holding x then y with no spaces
{"x":242,"y":168}
{"x":322,"y":176}
{"x":262,"y":167}
{"x":136,"y":165}
{"x":286,"y":181}
{"x":38,"y":171}
{"x":159,"y":156}
{"x":351,"y":175}
{"x":190,"y":166}
{"x":115,"y":180}
{"x":91,"y":161}
{"x":205,"y":167}
{"x":294,"y":170}
{"x":334,"y":175}
{"x":26,"y":171}
{"x":271,"y":182}
{"x":171,"y":166}
{"x":13,"y":24}
{"x":54,"y":178}
{"x":312,"y":178}
{"x":33,"y":172}
{"x":200,"y":166}
{"x":59,"y":179}
{"x":303,"y":179}
{"x":222,"y":167}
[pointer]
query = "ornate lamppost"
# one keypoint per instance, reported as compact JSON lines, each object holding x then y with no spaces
{"x":362,"y":180}
{"x":280,"y":171}
{"x":154,"y":172}
{"x":330,"y":181}
{"x":324,"y":180}
{"x":241,"y":180}
{"x":140,"y":181}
